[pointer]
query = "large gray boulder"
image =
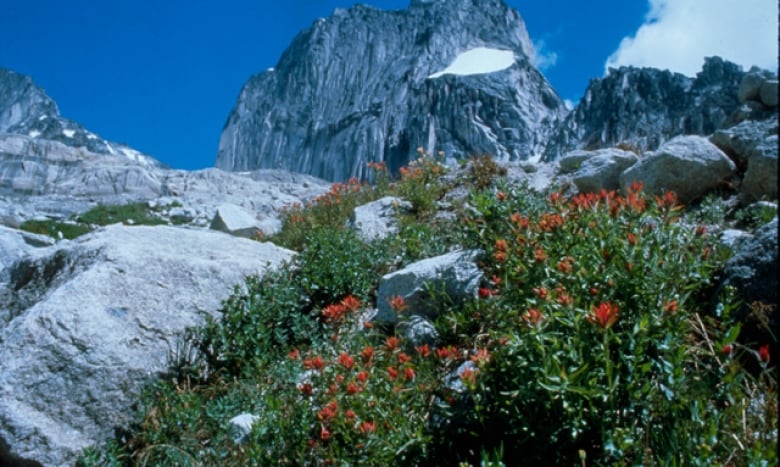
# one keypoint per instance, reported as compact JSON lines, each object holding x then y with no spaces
{"x":232,"y":219}
{"x":86,"y":323}
{"x":753,"y":146}
{"x":15,"y":244}
{"x":690,"y":166}
{"x":602,"y":170}
{"x":423,"y":285}
{"x":378,"y":219}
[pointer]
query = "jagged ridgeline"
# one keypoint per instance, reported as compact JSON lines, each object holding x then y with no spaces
{"x":371,"y":85}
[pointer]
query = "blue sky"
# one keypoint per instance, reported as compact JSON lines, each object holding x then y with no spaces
{"x":162,"y":77}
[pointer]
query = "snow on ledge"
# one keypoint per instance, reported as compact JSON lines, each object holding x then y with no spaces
{"x":478,"y":61}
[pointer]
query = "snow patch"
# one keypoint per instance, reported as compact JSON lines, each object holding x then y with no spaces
{"x":43,"y":117}
{"x":69,"y":133}
{"x":34,"y":134}
{"x":478,"y":61}
{"x":91,"y":136}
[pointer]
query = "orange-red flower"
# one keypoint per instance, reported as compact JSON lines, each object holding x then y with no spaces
{"x":403,"y":358}
{"x":392,"y":373}
{"x":540,"y":255}
{"x":398,"y":304}
{"x":423,"y":350}
{"x":671,"y":307}
{"x":763,"y":353}
{"x":314,"y":363}
{"x":541,"y":292}
{"x":306,"y":389}
{"x":392,"y":343}
{"x":329,"y":411}
{"x":727,"y":349}
{"x":604,"y":315}
{"x":346,"y":360}
{"x":362,"y":376}
{"x":501,"y":245}
{"x":351,"y":303}
{"x":294,"y":354}
{"x":334,"y":312}
{"x":324,"y":434}
{"x":367,"y":353}
{"x":353,"y":388}
{"x":367,"y":427}
{"x":409,"y":373}
{"x":482,"y":356}
{"x":484,"y":292}
{"x":533,"y":317}
{"x":468,"y":376}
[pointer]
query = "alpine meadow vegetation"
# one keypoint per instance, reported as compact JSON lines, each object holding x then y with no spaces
{"x":600,"y":338}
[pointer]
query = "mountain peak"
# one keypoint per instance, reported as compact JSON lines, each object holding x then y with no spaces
{"x":369,"y":85}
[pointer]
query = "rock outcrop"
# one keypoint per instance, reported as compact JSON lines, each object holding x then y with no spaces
{"x":367,"y":85}
{"x":642,"y":108}
{"x":85,"y":324}
{"x":690,"y":166}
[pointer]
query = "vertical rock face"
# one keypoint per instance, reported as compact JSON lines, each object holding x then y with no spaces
{"x":26,"y":110}
{"x":371,"y":85}
{"x":644,"y":107}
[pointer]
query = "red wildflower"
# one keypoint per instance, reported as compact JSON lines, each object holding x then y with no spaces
{"x":468,"y":376}
{"x":541,"y":292}
{"x":501,"y":245}
{"x":763,"y":353}
{"x":403,"y":358}
{"x":367,"y":353}
{"x":351,"y":303}
{"x":501,"y":196}
{"x":329,"y":411}
{"x":604,"y":315}
{"x":350,"y":414}
{"x":294,"y":354}
{"x":306,"y":389}
{"x":398,"y":304}
{"x":533,"y":317}
{"x":727,"y":349}
{"x":423,"y":350}
{"x":362,"y":376}
{"x":521,"y":221}
{"x":314,"y":363}
{"x":447,"y":353}
{"x":409,"y":373}
{"x":367,"y":427}
{"x":392,"y":373}
{"x":631,"y":239}
{"x":671,"y":307}
{"x":484,"y":292}
{"x":392,"y":343}
{"x":324,"y":433}
{"x":353,"y":388}
{"x":482,"y":356}
{"x":500,"y":257}
{"x":334,"y":312}
{"x":564,"y":265}
{"x":540,"y":255}
{"x":346,"y":361}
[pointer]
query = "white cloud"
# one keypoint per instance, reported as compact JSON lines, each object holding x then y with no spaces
{"x":544,"y":59}
{"x":678,"y":34}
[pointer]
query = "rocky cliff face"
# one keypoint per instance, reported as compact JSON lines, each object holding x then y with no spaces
{"x":26,"y":110}
{"x":644,"y":107}
{"x":371,"y":85}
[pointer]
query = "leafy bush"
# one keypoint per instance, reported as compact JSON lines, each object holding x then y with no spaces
{"x":135,"y":213}
{"x":597,"y":340}
{"x":53,"y":228}
{"x":599,"y":347}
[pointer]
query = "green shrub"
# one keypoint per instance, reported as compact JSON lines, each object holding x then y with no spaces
{"x":135,"y":213}
{"x":54,"y":228}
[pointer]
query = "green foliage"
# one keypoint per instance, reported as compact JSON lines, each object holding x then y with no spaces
{"x":337,"y":263}
{"x":599,"y":344}
{"x":596,"y":340}
{"x":54,"y":228}
{"x":484,"y":172}
{"x":421,"y":184}
{"x":134,"y":213}
{"x":331,"y":210}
